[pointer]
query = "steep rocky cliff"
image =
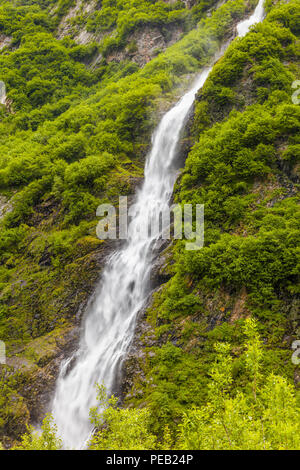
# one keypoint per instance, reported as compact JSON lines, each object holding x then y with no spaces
{"x":86,"y":85}
{"x":69,"y":142}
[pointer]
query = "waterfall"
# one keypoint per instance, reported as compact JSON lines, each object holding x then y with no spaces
{"x":109,"y":325}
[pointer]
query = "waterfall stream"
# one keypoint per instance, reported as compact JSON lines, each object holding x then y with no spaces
{"x":2,"y":93}
{"x":109,"y":325}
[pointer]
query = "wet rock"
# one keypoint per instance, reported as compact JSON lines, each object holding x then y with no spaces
{"x":5,"y":41}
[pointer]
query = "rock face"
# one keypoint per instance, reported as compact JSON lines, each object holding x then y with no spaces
{"x":189,"y":3}
{"x":36,"y":365}
{"x":145,"y":44}
{"x":144,"y":334}
{"x":142,"y":45}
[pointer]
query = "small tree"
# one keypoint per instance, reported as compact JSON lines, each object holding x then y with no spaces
{"x":120,"y":428}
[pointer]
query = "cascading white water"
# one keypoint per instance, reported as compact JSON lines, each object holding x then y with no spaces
{"x":110,"y":323}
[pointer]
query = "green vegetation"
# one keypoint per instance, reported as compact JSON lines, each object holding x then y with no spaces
{"x":72,"y":136}
{"x":74,"y":132}
{"x":243,"y":167}
{"x":265,"y":417}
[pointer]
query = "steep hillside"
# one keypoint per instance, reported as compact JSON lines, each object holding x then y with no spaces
{"x":243,"y":165}
{"x":74,"y":133}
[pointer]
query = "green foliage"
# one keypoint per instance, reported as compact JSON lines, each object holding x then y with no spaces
{"x":269,"y":420}
{"x":233,"y":261}
{"x":74,"y":134}
{"x":259,"y":57}
{"x":45,"y":440}
{"x":14,"y":414}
